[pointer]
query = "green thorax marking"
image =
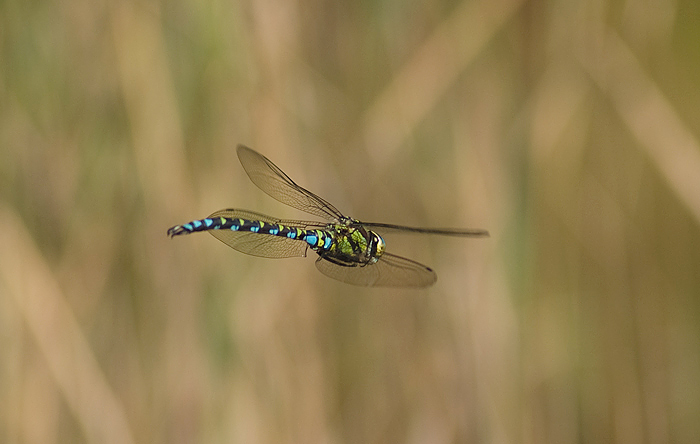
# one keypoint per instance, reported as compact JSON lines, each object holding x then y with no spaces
{"x":351,"y":245}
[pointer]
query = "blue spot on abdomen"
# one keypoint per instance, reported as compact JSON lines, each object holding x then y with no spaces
{"x":312,"y":239}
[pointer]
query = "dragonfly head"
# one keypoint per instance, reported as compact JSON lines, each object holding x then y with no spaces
{"x":376,"y":246}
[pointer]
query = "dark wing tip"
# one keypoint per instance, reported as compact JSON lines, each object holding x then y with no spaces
{"x":240,"y":148}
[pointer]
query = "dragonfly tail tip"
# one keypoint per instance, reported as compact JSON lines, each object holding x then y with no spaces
{"x":176,"y":231}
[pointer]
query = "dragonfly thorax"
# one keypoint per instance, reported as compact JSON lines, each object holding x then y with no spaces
{"x":352,"y":245}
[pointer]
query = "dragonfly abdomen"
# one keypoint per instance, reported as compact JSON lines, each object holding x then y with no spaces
{"x":318,"y":240}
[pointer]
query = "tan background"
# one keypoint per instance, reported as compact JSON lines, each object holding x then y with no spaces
{"x":568,"y":129}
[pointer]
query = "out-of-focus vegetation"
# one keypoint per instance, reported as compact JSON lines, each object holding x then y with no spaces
{"x":568,"y":129}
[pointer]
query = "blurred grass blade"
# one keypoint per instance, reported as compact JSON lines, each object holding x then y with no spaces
{"x":51,"y":321}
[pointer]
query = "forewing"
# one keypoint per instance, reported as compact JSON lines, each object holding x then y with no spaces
{"x":459,"y":232}
{"x":273,"y":181}
{"x":389,"y":271}
{"x":259,"y":244}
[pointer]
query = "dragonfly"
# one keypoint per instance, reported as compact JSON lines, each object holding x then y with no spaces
{"x":348,"y":250}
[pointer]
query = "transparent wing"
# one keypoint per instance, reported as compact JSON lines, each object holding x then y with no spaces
{"x":389,"y":271}
{"x":253,"y":215}
{"x":258,"y":244}
{"x":273,"y":181}
{"x":439,"y":231}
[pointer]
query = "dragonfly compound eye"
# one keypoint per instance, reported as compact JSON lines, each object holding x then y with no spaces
{"x":377,"y":245}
